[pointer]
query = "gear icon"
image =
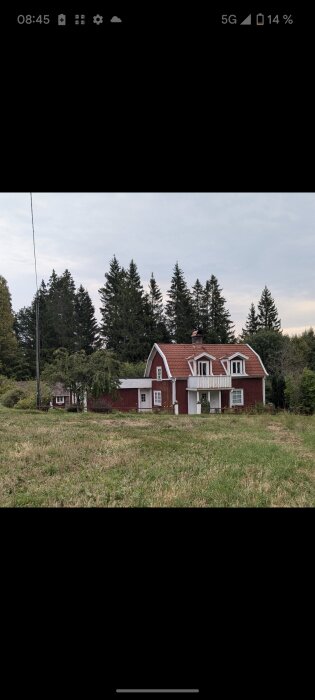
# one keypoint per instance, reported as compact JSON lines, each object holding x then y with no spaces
{"x":98,"y":19}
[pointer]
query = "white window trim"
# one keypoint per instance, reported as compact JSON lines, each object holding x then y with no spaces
{"x":241,"y":403}
{"x":58,"y":399}
{"x":204,"y":362}
{"x":237,"y":374}
{"x":157,"y":398}
{"x":159,"y":371}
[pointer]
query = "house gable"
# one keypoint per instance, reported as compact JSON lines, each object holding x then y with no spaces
{"x":157,"y":359}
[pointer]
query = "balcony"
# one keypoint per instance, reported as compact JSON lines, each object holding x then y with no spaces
{"x":223,"y":382}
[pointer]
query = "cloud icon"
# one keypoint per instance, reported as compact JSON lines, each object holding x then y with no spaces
{"x":115,"y":19}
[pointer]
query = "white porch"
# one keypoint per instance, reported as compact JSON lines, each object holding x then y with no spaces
{"x":213,"y":397}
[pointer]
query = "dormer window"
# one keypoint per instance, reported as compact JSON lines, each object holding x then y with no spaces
{"x":203,"y":368}
{"x":237,"y":367}
{"x":159,"y":373}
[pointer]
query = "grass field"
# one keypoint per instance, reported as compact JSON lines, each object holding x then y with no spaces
{"x":65,"y":459}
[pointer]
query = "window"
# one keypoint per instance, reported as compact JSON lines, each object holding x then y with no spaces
{"x":237,"y":397}
{"x":157,"y":398}
{"x":60,"y":399}
{"x":204,"y":396}
{"x":143,"y":398}
{"x":159,"y":373}
{"x":203,"y":368}
{"x":237,"y":367}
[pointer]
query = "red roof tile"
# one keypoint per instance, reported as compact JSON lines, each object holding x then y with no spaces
{"x":177,"y":356}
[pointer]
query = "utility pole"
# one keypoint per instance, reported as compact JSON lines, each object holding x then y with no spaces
{"x":37,"y":319}
{"x":37,"y":355}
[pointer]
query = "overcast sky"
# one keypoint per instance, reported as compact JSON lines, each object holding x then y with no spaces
{"x":246,"y":240}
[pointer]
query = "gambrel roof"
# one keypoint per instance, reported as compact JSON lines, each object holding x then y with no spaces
{"x":176,"y":358}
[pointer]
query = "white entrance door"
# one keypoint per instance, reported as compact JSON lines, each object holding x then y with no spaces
{"x":192,"y":402}
{"x":215,"y":400}
{"x":144,"y":400}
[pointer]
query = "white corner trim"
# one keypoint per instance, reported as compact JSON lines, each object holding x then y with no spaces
{"x":255,"y":353}
{"x":264,"y":389}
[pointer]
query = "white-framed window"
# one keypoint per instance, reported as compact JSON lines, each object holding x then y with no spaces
{"x":60,"y":399}
{"x":143,"y":398}
{"x":159,"y":373}
{"x":203,"y":368}
{"x":157,"y":398}
{"x":237,"y":397}
{"x":237,"y":367}
{"x":204,"y":396}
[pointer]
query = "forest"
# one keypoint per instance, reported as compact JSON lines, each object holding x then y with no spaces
{"x":74,"y":346}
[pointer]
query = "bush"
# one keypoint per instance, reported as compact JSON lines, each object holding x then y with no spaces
{"x":307,"y":391}
{"x":24,"y":397}
{"x":11,"y":398}
{"x":6,"y":384}
{"x":74,"y":408}
{"x":28,"y":402}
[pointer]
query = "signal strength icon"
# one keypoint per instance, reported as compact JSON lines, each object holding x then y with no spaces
{"x":248,"y":20}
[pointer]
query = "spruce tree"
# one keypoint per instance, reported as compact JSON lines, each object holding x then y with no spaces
{"x":136,"y":344}
{"x":112,"y":298}
{"x":154,"y":315}
{"x":8,"y":341}
{"x":25,"y":324}
{"x":179,"y":309}
{"x":252,"y":323}
{"x":268,"y":314}
{"x":216,"y":323}
{"x":197,"y":303}
{"x":60,"y":310}
{"x":86,"y":330}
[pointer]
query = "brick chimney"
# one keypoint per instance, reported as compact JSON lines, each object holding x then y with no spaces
{"x":196,"y":337}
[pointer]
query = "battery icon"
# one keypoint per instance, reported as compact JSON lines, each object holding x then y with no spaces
{"x":260,"y":20}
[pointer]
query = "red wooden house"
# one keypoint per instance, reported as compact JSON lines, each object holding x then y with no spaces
{"x":186,"y":375}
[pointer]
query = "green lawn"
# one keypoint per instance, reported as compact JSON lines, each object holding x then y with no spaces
{"x":66,"y":459}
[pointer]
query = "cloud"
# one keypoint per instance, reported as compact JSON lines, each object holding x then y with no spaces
{"x":246,"y":239}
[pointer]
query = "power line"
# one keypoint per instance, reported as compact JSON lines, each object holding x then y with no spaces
{"x":37,"y":315}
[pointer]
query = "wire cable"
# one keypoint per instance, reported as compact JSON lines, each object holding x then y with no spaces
{"x":38,"y":401}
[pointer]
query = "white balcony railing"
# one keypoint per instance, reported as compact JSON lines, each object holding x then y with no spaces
{"x":223,"y":382}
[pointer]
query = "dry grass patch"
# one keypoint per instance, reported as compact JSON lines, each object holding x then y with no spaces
{"x":143,"y":460}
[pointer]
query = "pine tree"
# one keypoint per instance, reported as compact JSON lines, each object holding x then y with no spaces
{"x":112,"y":298}
{"x":179,"y":309}
{"x":268,"y":314}
{"x":252,"y":324}
{"x":197,"y":303}
{"x":8,"y":341}
{"x":86,"y":330}
{"x":216,"y":323}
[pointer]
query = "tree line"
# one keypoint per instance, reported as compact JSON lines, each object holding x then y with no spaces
{"x":133,"y":318}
